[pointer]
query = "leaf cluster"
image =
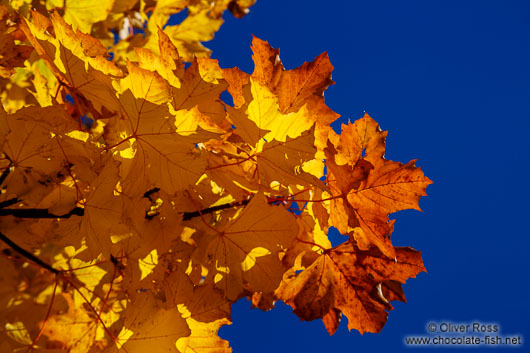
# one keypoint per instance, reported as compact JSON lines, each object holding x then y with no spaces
{"x":136,"y":207}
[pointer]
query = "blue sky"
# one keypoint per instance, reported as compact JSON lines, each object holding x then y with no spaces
{"x":450,"y":81}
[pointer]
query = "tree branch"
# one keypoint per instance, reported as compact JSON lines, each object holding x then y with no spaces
{"x":78,"y":211}
{"x":9,"y":202}
{"x":189,"y":215}
{"x":27,"y":254}
{"x":39,"y":213}
{"x":4,"y":174}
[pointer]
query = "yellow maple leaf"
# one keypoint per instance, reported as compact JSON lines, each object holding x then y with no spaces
{"x":230,"y":252}
{"x":153,"y":327}
{"x":161,"y":155}
{"x":139,"y":207}
{"x":82,"y":14}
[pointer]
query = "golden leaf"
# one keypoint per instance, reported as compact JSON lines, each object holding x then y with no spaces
{"x":225,"y":252}
{"x":137,"y":207}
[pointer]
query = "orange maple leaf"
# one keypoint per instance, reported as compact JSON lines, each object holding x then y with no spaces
{"x":245,"y":253}
{"x":349,"y":280}
{"x":148,"y":222}
{"x":366,"y":188}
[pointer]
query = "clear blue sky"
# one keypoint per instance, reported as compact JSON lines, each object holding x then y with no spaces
{"x":450,"y":80}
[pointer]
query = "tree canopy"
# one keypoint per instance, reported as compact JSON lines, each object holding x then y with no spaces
{"x":137,"y":206}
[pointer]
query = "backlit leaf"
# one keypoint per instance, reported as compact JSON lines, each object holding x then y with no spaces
{"x":349,"y":279}
{"x":228,"y":252}
{"x":137,"y":206}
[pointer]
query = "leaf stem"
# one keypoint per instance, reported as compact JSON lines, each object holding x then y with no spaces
{"x":47,"y":315}
{"x":311,"y":243}
{"x":321,"y":200}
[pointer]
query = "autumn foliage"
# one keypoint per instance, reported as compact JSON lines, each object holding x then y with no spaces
{"x":136,"y":206}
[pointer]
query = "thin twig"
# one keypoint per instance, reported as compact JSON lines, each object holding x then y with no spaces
{"x":189,"y":215}
{"x":27,"y":254}
{"x":9,"y":202}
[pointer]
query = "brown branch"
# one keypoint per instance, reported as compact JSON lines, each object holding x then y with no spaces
{"x":9,"y":202}
{"x":78,"y":211}
{"x":27,"y":254}
{"x":4,"y":174}
{"x":189,"y":215}
{"x":39,"y":213}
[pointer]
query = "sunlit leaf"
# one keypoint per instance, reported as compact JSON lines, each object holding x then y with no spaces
{"x":137,"y":207}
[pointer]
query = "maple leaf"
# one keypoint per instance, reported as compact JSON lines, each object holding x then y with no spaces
{"x":202,"y":21}
{"x":348,"y":280}
{"x":264,"y":111}
{"x":11,"y":55}
{"x":151,"y":326}
{"x":298,"y":85}
{"x":203,"y":338}
{"x":102,"y":212}
{"x":295,"y":88}
{"x":73,"y":331}
{"x":32,"y":152}
{"x":366,"y":187}
{"x":199,"y":26}
{"x":282,"y":162}
{"x":267,"y":65}
{"x":137,"y":207}
{"x":279,"y":144}
{"x":76,"y":59}
{"x":168,"y":64}
{"x":284,"y":101}
{"x":201,"y":87}
{"x":161,"y":155}
{"x":82,"y":15}
{"x":236,"y":80}
{"x":205,"y":313}
{"x":246,"y":251}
